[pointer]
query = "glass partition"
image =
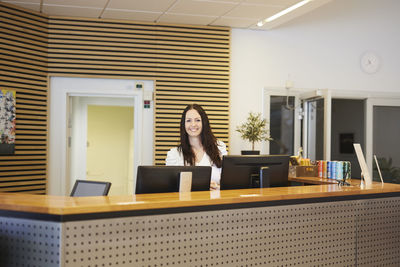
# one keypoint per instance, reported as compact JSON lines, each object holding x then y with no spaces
{"x":282,"y":125}
{"x":315,"y":128}
{"x":386,"y":144}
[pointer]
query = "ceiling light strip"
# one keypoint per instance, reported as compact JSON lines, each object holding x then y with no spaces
{"x":283,"y":12}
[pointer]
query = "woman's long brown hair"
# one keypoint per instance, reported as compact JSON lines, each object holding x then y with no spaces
{"x":207,"y":138}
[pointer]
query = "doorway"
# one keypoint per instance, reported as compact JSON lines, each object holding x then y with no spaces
{"x":105,"y":96}
{"x":100,"y":141}
{"x":348,"y":127}
{"x":383,"y":137}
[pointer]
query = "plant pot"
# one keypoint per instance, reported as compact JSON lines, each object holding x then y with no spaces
{"x":250,"y":152}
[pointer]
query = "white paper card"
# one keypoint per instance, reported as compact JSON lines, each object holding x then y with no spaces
{"x":215,"y":194}
{"x":185,"y":184}
{"x":363,"y":164}
{"x":379,"y":169}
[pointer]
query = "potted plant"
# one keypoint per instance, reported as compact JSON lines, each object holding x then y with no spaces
{"x":254,"y":130}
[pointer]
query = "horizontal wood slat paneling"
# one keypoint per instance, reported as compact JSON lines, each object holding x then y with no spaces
{"x":22,"y":87}
{"x":90,"y":59}
{"x":31,"y":189}
{"x":20,"y":167}
{"x":190,"y":64}
{"x":22,"y":162}
{"x":23,"y":69}
{"x":22,"y":172}
{"x":160,"y":41}
{"x":38,"y":157}
{"x":36,"y":60}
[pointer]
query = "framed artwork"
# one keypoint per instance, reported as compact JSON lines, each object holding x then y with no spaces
{"x":7,"y":121}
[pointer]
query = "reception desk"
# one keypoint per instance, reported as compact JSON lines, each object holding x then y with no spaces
{"x":321,"y":181}
{"x":288,"y":226}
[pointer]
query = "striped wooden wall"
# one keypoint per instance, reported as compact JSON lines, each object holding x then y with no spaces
{"x":23,"y":68}
{"x":189,"y":64}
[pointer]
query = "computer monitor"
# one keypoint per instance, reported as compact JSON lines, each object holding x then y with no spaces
{"x":240,"y":172}
{"x":163,"y":179}
{"x":86,"y":188}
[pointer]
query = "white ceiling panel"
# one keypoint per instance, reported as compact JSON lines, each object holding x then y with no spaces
{"x":72,"y":11}
{"x":256,"y":12}
{"x":14,"y":2}
{"x":194,"y":7}
{"x":230,"y":13}
{"x":186,"y":19}
{"x":140,"y":5}
{"x":284,"y":3}
{"x":229,"y":1}
{"x":78,"y":3}
{"x":233,"y":22}
{"x":31,"y":5}
{"x":130,"y":15}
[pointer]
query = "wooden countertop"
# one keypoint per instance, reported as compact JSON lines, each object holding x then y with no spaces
{"x":60,"y":205}
{"x":317,"y":180}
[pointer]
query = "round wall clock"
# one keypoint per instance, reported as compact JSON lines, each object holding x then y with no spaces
{"x":370,"y":62}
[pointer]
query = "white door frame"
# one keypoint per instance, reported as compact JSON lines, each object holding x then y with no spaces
{"x":60,"y":89}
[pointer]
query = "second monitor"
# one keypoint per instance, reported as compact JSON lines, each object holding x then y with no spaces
{"x":239,"y":172}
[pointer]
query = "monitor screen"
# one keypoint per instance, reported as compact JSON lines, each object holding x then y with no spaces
{"x":162,"y":179}
{"x":85,"y":188}
{"x":239,"y":172}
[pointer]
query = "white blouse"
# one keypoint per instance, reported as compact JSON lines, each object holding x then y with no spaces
{"x":175,"y":158}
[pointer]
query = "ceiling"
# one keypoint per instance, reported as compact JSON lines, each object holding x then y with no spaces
{"x":230,"y":13}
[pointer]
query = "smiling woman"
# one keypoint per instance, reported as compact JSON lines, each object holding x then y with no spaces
{"x":198,"y":145}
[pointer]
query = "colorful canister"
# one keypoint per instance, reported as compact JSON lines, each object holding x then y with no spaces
{"x":320,"y":168}
{"x":339,"y":170}
{"x":347,"y":170}
{"x":333,"y":170}
{"x":324,"y":169}
{"x":328,"y":169}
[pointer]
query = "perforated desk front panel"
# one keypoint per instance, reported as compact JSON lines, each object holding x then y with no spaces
{"x":343,"y":233}
{"x":25,"y":242}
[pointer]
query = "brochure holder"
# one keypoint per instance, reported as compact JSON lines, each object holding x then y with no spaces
{"x":363,"y":164}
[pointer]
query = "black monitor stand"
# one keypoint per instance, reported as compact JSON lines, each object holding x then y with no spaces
{"x":261,"y":179}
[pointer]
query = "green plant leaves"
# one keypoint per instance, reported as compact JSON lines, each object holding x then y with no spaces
{"x":254,"y":129}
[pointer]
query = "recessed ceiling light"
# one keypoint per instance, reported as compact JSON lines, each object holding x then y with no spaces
{"x":284,"y":12}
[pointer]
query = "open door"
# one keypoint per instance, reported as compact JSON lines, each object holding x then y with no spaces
{"x":316,"y":124}
{"x":100,"y":141}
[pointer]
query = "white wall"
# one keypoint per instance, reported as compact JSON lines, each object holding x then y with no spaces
{"x":322,"y":49}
